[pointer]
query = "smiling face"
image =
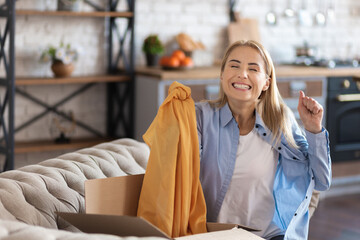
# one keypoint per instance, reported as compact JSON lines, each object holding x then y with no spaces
{"x":244,"y":77}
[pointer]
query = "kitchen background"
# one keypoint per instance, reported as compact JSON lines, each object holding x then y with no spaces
{"x":203,"y":20}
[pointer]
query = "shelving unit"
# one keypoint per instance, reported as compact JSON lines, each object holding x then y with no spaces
{"x":25,"y":81}
{"x":120,"y":83}
{"x":8,"y":60}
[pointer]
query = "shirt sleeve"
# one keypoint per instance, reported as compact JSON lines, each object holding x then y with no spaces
{"x":319,"y":158}
{"x":315,"y":148}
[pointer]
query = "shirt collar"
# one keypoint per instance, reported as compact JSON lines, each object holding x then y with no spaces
{"x":226,"y":116}
{"x":259,"y":121}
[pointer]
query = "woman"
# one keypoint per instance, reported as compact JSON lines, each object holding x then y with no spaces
{"x":257,"y":167}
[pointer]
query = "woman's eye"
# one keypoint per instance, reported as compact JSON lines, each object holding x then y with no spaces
{"x":234,"y":66}
{"x":253,"y":69}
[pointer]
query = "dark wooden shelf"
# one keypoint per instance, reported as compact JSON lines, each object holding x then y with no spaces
{"x":75,"y":14}
{"x":48,"y":145}
{"x":21,"y":81}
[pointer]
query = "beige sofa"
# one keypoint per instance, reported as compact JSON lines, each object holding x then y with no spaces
{"x":30,"y":196}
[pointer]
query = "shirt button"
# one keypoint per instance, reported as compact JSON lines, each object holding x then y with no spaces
{"x":257,"y":126}
{"x":264,"y":134}
{"x":312,"y":178}
{"x":294,"y":158}
{"x":279,"y":148}
{"x":295,"y":214}
{"x":306,"y":197}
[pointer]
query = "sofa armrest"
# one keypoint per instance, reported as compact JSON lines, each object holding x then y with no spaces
{"x":32,"y":194}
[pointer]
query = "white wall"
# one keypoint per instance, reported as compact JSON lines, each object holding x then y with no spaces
{"x":204,"y":20}
{"x":337,"y":39}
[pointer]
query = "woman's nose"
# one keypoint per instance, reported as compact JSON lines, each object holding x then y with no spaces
{"x":242,"y":73}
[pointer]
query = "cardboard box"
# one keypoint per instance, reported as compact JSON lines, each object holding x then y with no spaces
{"x":111,"y":207}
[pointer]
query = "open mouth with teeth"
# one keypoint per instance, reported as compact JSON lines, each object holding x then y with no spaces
{"x":241,"y":86}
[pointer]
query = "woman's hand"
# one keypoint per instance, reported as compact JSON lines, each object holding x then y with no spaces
{"x":311,"y":113}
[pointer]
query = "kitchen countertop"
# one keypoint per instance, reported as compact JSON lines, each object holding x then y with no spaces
{"x":213,"y":72}
{"x":195,"y":73}
{"x":303,"y":71}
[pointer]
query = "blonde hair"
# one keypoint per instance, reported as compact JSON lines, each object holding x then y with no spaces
{"x":271,"y":107}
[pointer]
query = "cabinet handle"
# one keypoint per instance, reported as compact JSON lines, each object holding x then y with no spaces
{"x":346,"y":84}
{"x":348,"y":97}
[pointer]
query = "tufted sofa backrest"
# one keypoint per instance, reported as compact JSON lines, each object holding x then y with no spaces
{"x":32,"y":194}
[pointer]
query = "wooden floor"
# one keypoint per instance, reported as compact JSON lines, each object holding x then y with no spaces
{"x":336,"y":218}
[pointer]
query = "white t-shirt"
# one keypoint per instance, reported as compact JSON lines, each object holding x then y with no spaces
{"x":249,"y":200}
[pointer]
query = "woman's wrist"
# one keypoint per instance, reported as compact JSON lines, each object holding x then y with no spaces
{"x":314,"y":130}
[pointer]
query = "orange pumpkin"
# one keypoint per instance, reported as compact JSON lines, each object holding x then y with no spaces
{"x":179,"y":54}
{"x":174,"y":62}
{"x":187,"y":62}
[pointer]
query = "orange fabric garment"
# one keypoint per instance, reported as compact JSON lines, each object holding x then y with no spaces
{"x":171,"y":196}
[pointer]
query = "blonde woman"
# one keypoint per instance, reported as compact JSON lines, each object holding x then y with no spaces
{"x":258,"y":168}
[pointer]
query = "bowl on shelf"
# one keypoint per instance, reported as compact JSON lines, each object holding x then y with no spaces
{"x":62,"y":70}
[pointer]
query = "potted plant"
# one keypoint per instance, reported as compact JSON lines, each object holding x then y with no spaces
{"x":152,"y":47}
{"x":62,"y":59}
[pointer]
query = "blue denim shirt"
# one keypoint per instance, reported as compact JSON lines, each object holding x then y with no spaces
{"x":299,"y":171}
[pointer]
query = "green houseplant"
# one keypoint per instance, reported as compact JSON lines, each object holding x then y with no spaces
{"x":152,"y":47}
{"x":62,"y":58}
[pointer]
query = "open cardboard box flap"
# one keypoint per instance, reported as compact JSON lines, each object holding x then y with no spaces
{"x":111,"y":207}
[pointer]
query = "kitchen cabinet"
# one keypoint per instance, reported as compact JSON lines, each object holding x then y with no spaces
{"x":312,"y":86}
{"x":119,"y":82}
{"x":152,"y":84}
